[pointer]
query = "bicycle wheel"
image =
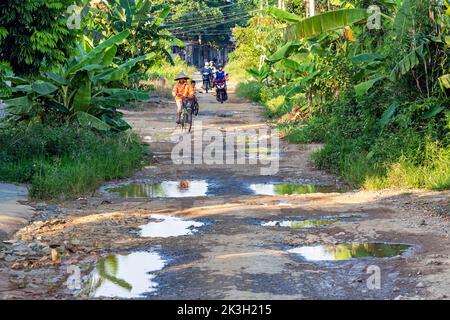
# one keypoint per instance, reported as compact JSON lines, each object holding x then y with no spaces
{"x":189,"y":116}
{"x":196,"y":107}
{"x":183,"y":119}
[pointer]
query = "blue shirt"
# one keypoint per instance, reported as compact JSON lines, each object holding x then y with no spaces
{"x":220,"y":75}
{"x":206,"y":70}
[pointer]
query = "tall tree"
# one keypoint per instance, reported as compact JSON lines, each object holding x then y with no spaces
{"x":34,"y":34}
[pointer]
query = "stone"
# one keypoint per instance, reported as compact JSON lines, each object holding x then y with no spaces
{"x":21,"y":248}
{"x":10,"y":258}
{"x":420,"y":285}
{"x":13,"y":241}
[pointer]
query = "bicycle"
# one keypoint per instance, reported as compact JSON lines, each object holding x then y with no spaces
{"x":186,"y":116}
{"x":195,"y":108}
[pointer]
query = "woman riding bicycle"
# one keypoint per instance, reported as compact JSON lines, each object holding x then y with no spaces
{"x":181,"y":92}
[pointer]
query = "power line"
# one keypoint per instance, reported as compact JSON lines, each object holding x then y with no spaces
{"x":203,"y":22}
{"x":228,"y":15}
{"x":209,"y":23}
{"x":218,"y":7}
{"x":212,"y":23}
{"x":206,"y":27}
{"x":216,"y":24}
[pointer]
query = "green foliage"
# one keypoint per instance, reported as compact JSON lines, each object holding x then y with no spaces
{"x":5,"y":70}
{"x":276,"y":106}
{"x":325,"y":22}
{"x":34,"y":35}
{"x":81,"y":90}
{"x":377,"y":99}
{"x":169,"y":71}
{"x":145,"y":23}
{"x":250,"y":90}
{"x":253,"y":42}
{"x":65,"y":161}
{"x":212,"y":20}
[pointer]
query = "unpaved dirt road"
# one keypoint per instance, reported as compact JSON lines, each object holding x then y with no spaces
{"x":233,"y":256}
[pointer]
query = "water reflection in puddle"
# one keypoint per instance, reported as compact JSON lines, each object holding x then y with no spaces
{"x":312,"y":223}
{"x":282,"y":189}
{"x":166,"y":189}
{"x":125,"y":276}
{"x":169,"y":226}
{"x":347,"y":251}
{"x":213,"y":187}
{"x":299,"y":224}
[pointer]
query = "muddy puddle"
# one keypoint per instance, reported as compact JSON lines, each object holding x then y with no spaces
{"x":270,"y":189}
{"x":212,"y":187}
{"x":125,"y":276}
{"x":346,"y":251}
{"x":165,"y":189}
{"x":303,"y":223}
{"x":169,"y":226}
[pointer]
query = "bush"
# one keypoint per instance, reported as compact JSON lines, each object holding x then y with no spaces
{"x":168,"y":71}
{"x":66,"y":161}
{"x":277,"y":107}
{"x":250,"y":90}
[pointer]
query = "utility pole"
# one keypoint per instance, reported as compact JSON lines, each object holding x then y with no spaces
{"x":310,"y":8}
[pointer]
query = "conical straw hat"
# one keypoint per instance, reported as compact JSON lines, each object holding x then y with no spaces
{"x":181,"y":76}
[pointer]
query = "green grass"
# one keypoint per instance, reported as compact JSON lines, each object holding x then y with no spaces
{"x":433,"y":173}
{"x":249,"y":90}
{"x":66,"y":162}
{"x":394,"y":160}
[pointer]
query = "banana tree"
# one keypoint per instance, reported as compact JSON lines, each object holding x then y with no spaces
{"x":144,"y":21}
{"x":298,"y":28}
{"x":88,"y":89}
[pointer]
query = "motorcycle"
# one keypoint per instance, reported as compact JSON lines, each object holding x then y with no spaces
{"x":206,"y":81}
{"x":221,"y":91}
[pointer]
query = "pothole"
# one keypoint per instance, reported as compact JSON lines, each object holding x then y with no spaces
{"x":301,"y":223}
{"x":211,"y":187}
{"x":125,"y":276}
{"x":346,"y":251}
{"x":271,"y":189}
{"x":169,"y":226}
{"x":165,"y":189}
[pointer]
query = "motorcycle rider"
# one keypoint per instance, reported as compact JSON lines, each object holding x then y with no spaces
{"x":220,"y":76}
{"x":213,"y":72}
{"x":207,"y":74}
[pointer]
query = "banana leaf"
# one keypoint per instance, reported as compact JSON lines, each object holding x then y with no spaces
{"x":405,"y":65}
{"x":325,"y":22}
{"x":87,"y":120}
{"x":98,"y":50}
{"x":283,"y":15}
{"x":362,"y":88}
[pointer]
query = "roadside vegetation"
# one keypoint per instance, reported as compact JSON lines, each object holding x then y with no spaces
{"x":376,"y":97}
{"x":63,"y":133}
{"x":66,"y":160}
